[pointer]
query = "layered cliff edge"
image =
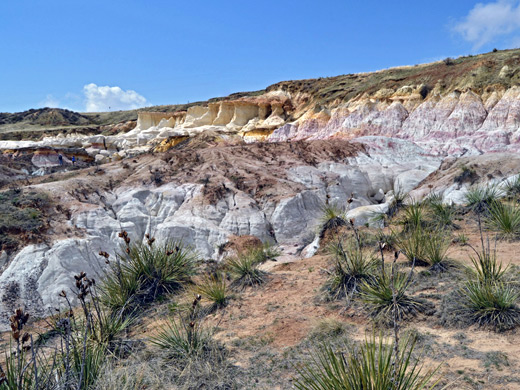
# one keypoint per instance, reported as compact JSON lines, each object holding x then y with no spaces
{"x":455,"y":106}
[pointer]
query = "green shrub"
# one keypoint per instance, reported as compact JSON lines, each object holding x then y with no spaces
{"x":378,"y":297}
{"x":436,"y":246}
{"x":244,"y":269}
{"x":145,"y":272}
{"x":481,"y":198}
{"x":486,"y":267}
{"x":333,"y":216}
{"x":214,"y":289}
{"x":492,"y":303}
{"x":372,"y":366}
{"x":512,"y":187}
{"x":504,"y":218}
{"x":352,"y":265}
{"x":443,"y":214}
{"x":413,"y":216}
{"x":266,"y":252}
{"x":182,"y":340}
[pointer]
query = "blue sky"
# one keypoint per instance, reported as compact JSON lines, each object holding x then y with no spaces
{"x":92,"y":55}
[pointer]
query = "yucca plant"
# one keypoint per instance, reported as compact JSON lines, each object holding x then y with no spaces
{"x":182,"y":340}
{"x":512,"y":187}
{"x":263,"y":253}
{"x":378,"y":297}
{"x":492,"y":303}
{"x":160,"y":268}
{"x":144,"y":272}
{"x":245,"y":271}
{"x":185,"y":338}
{"x":352,"y":265}
{"x":375,"y":365}
{"x":214,"y":289}
{"x":333,"y":216}
{"x":413,"y":216}
{"x":504,"y":218}
{"x":486,"y":267}
{"x":436,"y":246}
{"x":413,"y":245}
{"x":398,"y":200}
{"x":442,"y":213}
{"x":481,"y":198}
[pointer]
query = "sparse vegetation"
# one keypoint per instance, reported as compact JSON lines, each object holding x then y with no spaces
{"x":481,"y":198}
{"x":21,"y":215}
{"x":214,"y":289}
{"x":504,"y":218}
{"x":371,"y":366}
{"x":145,"y":272}
{"x":442,"y":213}
{"x":352,"y":265}
{"x":244,"y":269}
{"x":379,"y":295}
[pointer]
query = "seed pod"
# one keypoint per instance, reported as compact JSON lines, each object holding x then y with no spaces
{"x":25,"y":337}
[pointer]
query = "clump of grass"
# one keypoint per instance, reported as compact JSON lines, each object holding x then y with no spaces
{"x":327,"y":328}
{"x":504,"y":218}
{"x":481,"y":198}
{"x":436,"y":246}
{"x":371,"y":366}
{"x":492,"y":304}
{"x":215,"y":290}
{"x":245,"y":271}
{"x":145,"y":272}
{"x":352,"y":265}
{"x":379,"y":299}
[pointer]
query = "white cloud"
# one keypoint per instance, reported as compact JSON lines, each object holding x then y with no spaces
{"x":105,"y":98}
{"x":49,"y":101}
{"x":486,"y":22}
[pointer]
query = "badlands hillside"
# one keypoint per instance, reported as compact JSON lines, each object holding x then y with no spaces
{"x":301,"y":171}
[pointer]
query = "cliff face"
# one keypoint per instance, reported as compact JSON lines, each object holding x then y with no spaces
{"x":452,"y":123}
{"x":469,"y":105}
